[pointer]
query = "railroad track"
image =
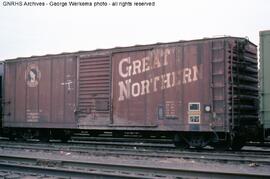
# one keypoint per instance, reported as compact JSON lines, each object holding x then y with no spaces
{"x":55,"y":166}
{"x":99,"y":149}
{"x":85,"y":169}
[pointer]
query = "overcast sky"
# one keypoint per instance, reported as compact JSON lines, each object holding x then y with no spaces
{"x":27,"y":31}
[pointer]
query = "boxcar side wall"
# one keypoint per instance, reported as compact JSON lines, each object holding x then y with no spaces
{"x":169,"y":86}
{"x":183,"y":86}
{"x":40,"y":92}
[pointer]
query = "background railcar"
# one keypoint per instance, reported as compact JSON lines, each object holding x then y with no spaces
{"x":197,"y":92}
{"x":1,"y":92}
{"x":264,"y":81}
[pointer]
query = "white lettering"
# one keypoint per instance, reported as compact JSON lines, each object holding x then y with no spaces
{"x":136,"y":66}
{"x":197,"y":73}
{"x":145,"y":64}
{"x":186,"y":75}
{"x":167,"y":53}
{"x":127,"y":69}
{"x":135,"y":89}
{"x":156,"y":62}
{"x":127,"y":89}
{"x":179,"y":77}
{"x":165,"y":81}
{"x":173,"y":79}
{"x":124,"y":90}
{"x":156,"y":78}
{"x":145,"y":87}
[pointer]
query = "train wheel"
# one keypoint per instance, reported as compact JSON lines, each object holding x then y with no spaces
{"x":44,"y":139}
{"x":181,"y":145}
{"x":65,"y":135}
{"x":21,"y":135}
{"x":117,"y":134}
{"x":44,"y":135}
{"x":198,"y":141}
{"x":221,"y":145}
{"x":65,"y":139}
{"x":12,"y":135}
{"x":179,"y":142}
{"x":238,"y":143}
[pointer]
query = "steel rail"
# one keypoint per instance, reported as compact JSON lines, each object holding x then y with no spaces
{"x":202,"y":156}
{"x":110,"y":170}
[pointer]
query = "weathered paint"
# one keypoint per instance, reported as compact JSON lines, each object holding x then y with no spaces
{"x":163,"y":87}
{"x":153,"y":87}
{"x":94,"y":91}
{"x":40,"y":92}
{"x":264,"y":75}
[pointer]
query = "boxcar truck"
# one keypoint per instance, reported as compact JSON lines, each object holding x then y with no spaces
{"x":264,"y":81}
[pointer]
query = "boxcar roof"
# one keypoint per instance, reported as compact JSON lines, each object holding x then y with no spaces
{"x":122,"y":49}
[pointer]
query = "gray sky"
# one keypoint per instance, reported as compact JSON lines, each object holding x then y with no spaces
{"x":27,"y":31}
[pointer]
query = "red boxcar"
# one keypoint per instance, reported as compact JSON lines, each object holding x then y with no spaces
{"x":200,"y":91}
